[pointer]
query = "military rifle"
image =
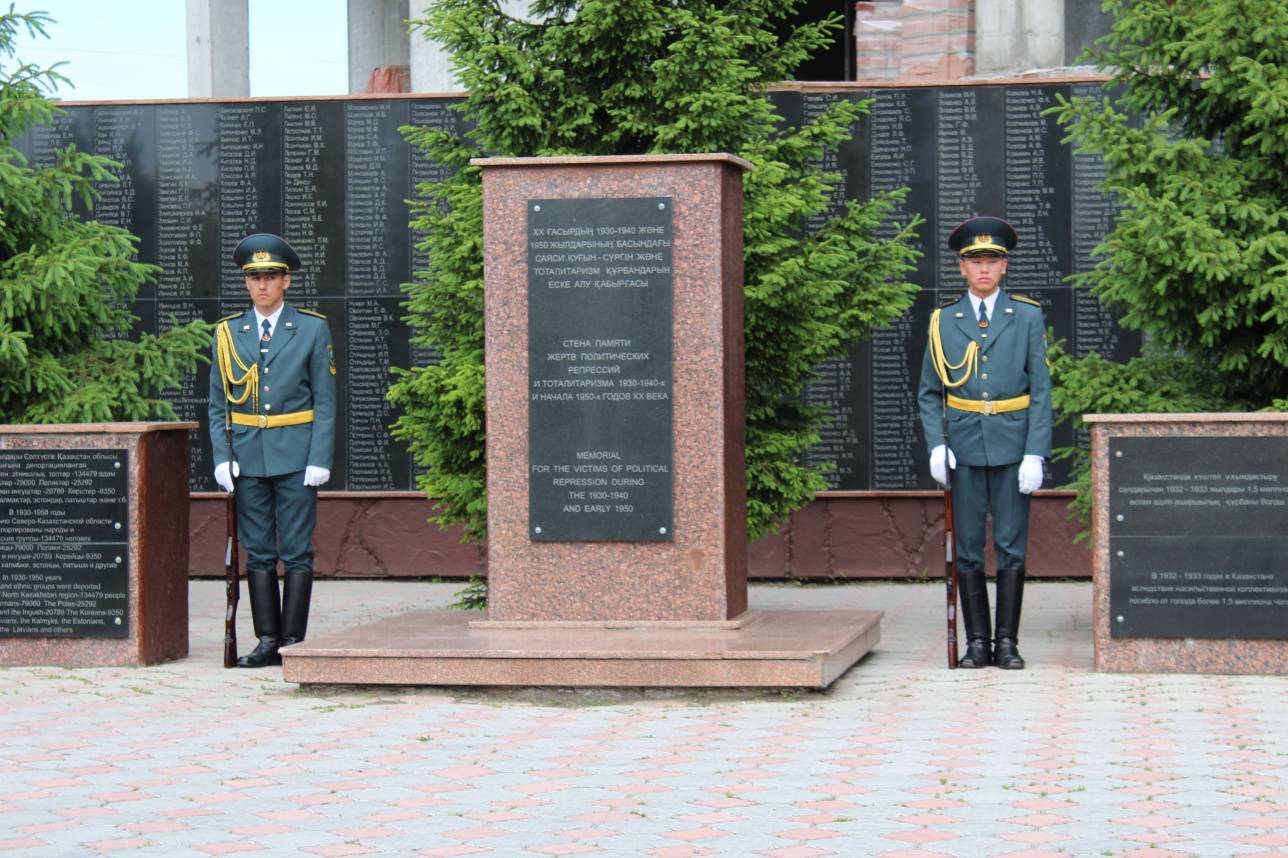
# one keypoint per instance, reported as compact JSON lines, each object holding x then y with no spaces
{"x":950,"y":544}
{"x":232,"y":584}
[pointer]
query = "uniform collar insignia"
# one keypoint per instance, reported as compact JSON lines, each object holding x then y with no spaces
{"x":245,"y":327}
{"x":1009,"y":310}
{"x":960,"y":316}
{"x":292,"y":324}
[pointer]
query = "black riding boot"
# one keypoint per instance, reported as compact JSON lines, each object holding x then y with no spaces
{"x":1010,"y":598}
{"x":267,"y":614}
{"x":974,"y":593}
{"x":295,"y":605}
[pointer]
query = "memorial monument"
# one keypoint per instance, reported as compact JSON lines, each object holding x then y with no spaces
{"x":616,"y":474}
{"x":1190,"y":542}
{"x":93,"y":543}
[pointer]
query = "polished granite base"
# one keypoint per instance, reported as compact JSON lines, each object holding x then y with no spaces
{"x":1259,"y":657}
{"x":802,"y":649}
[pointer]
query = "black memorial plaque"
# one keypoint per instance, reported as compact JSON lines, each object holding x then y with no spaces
{"x":1198,"y":537}
{"x":334,"y":175}
{"x":64,"y":550}
{"x":600,"y":451}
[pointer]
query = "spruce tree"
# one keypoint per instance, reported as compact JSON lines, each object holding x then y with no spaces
{"x":1195,"y":144}
{"x":1198,"y":258}
{"x":595,"y":77}
{"x":65,"y":280}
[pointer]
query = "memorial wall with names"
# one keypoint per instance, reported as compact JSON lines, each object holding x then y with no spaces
{"x":961,"y":151}
{"x":333,"y":176}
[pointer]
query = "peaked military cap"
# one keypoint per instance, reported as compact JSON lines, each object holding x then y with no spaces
{"x":980,"y":236}
{"x":264,"y":251}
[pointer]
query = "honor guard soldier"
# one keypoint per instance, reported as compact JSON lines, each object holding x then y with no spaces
{"x":272,"y":430}
{"x":985,"y":403}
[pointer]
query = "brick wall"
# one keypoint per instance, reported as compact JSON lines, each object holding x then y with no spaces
{"x":914,"y":40}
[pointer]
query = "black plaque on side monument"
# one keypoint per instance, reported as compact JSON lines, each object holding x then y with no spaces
{"x":600,"y":446}
{"x":1198,"y":537}
{"x":64,"y":552}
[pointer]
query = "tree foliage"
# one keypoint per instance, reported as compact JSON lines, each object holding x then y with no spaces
{"x":594,"y":77}
{"x":1198,"y":258}
{"x":65,"y":280}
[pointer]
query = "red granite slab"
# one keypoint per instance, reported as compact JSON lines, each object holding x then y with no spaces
{"x":1163,"y":655}
{"x":701,"y":575}
{"x":157,"y":537}
{"x":807,"y":649}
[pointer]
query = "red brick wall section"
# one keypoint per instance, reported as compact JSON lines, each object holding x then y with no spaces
{"x":902,"y":537}
{"x":887,"y":536}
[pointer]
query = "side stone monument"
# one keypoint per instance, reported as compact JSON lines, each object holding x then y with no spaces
{"x":615,"y":449}
{"x":93,"y":543}
{"x":1190,"y":542}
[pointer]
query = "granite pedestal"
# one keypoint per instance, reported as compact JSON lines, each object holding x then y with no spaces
{"x":155,"y":537}
{"x":1186,"y":582}
{"x":588,"y":592}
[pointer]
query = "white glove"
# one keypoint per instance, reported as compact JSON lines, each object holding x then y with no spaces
{"x":1030,"y":474}
{"x":315,"y":476}
{"x":937,"y":469}
{"x":224,"y":473}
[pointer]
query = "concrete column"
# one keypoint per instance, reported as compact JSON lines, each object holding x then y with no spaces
{"x":218,"y":44}
{"x":431,"y":67}
{"x":1013,"y":36}
{"x":377,"y":38}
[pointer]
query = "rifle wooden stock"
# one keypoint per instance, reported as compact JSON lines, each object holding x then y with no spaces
{"x":231,"y":583}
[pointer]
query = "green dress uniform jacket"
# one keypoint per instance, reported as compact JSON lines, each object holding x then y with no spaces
{"x":1010,"y":362}
{"x":294,"y":374}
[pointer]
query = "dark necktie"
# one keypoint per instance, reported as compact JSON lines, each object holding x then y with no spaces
{"x":267,"y":328}
{"x":983,"y":315}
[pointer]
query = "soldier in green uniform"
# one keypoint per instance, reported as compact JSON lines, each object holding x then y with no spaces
{"x":272,"y":430}
{"x":985,"y":377}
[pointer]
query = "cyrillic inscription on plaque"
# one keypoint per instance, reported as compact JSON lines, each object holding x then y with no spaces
{"x":1198,"y":537}
{"x":600,"y":451}
{"x":64,"y":550}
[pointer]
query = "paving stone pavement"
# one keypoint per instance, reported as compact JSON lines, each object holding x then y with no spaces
{"x":901,"y":757}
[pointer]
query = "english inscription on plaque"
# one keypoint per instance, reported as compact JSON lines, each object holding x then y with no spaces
{"x":600,"y":451}
{"x":64,"y":552}
{"x":1198,"y":537}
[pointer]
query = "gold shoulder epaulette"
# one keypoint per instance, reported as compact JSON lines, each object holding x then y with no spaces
{"x":1025,"y":299}
{"x":230,"y":317}
{"x":312,"y":313}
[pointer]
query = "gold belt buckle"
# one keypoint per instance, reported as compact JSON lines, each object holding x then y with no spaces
{"x":988,"y":406}
{"x":263,"y":421}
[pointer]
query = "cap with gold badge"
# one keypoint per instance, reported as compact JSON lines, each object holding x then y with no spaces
{"x":983,"y":236}
{"x":264,"y":251}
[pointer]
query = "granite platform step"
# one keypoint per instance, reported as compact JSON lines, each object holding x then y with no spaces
{"x":773,"y":648}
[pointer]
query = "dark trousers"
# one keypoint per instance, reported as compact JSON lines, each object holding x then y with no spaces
{"x":275,"y":519}
{"x":977,"y":491}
